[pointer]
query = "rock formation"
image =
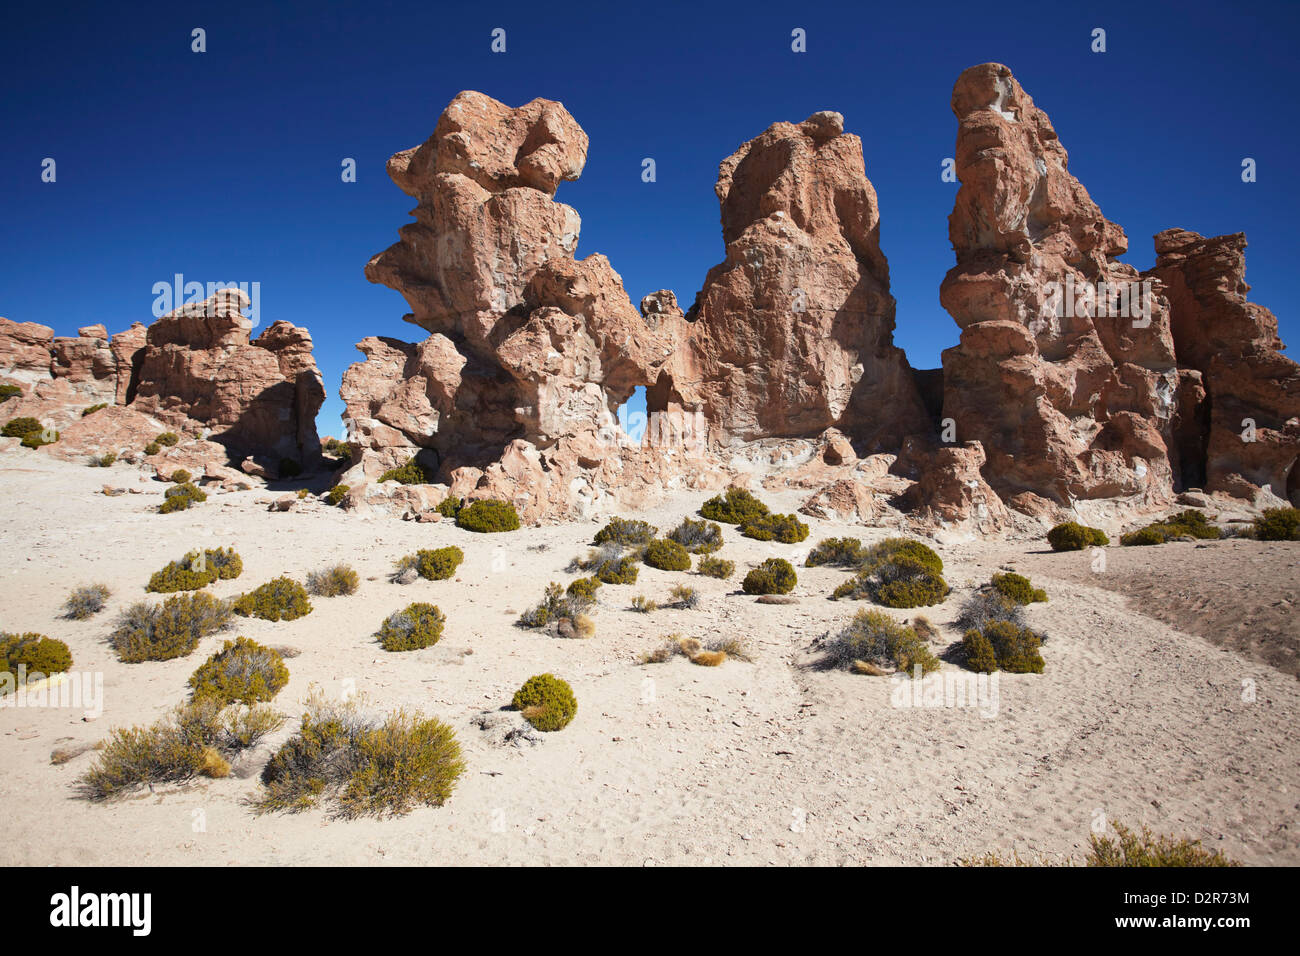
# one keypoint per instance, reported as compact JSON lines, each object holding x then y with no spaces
{"x":1065,"y":372}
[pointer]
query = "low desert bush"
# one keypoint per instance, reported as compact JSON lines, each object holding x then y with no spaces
{"x":38,"y":656}
{"x":242,"y":672}
{"x":733,"y":506}
{"x":876,"y":638}
{"x":715,"y":567}
{"x":773,"y":576}
{"x":1278,"y":524}
{"x":197,"y":569}
{"x":666,"y":555}
{"x":685,"y":597}
{"x":104,"y":460}
{"x":1189,"y":524}
{"x":897,"y":572}
{"x":335,"y":581}
{"x":1131,"y":848}
{"x":417,"y":625}
{"x":1072,"y":536}
{"x":21,"y":427}
{"x":160,"y":632}
{"x":559,"y":603}
{"x":86,"y":602}
{"x":412,"y":473}
{"x":839,"y":552}
{"x":488,"y":515}
{"x":362,"y":763}
{"x":986,"y":606}
{"x":336,"y":495}
{"x":152,"y":448}
{"x":709,"y":658}
{"x":448,"y":507}
{"x":91,"y":409}
{"x":608,"y":564}
{"x":1014,"y":648}
{"x":787,"y":529}
{"x":644,"y":605}
{"x":1018,"y":588}
{"x":196,"y":739}
{"x":280,"y":599}
{"x":47,"y":436}
{"x":697,"y":537}
{"x":181,"y":497}
{"x":180,"y":476}
{"x":546,"y":701}
{"x":733,"y":647}
{"x":626,"y":532}
{"x":337,"y":448}
{"x":10,"y":391}
{"x":167,"y":439}
{"x":578,"y":626}
{"x":437,"y":564}
{"x":978,"y":653}
{"x":303,"y":493}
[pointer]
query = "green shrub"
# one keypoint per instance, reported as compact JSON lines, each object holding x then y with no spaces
{"x":784,"y":528}
{"x":436,"y":564}
{"x":10,"y":391}
{"x":93,"y":408}
{"x":46,"y":437}
{"x":242,"y":672}
{"x":876,"y":638}
{"x":715,"y":567}
{"x":547,"y":702}
{"x":978,"y":653}
{"x":488,"y":515}
{"x":1018,"y":588}
{"x":644,"y":605}
{"x":21,"y":427}
{"x":666,"y":555}
{"x":733,"y":506}
{"x":1015,"y":647}
{"x":685,"y":597}
{"x":1189,"y":523}
{"x":160,"y":632}
{"x":361,"y":763}
{"x":580,"y":595}
{"x":180,"y":498}
{"x":86,"y":602}
{"x":289,"y":468}
{"x":280,"y":599}
{"x":1145,"y":849}
{"x":891,"y":549}
{"x":180,"y":476}
{"x":195,"y":570}
{"x":897,"y":572}
{"x":152,"y":448}
{"x":336,"y":448}
{"x":38,"y":656}
{"x":986,"y":606}
{"x":103,"y":461}
{"x":839,"y":552}
{"x":418,"y":625}
{"x":412,"y":473}
{"x":167,"y":438}
{"x":773,"y":576}
{"x":1072,"y":536}
{"x":336,"y":495}
{"x":626,"y":532}
{"x":1278,"y":524}
{"x":336,"y":580}
{"x":449,"y":506}
{"x":623,"y":570}
{"x":195,"y":739}
{"x":697,"y":537}
{"x":551,"y":607}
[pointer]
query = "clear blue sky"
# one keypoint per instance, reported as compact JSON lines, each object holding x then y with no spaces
{"x":225,"y":165}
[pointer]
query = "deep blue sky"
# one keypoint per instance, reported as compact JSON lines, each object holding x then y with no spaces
{"x":225,"y":165}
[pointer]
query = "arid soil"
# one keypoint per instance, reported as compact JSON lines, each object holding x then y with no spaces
{"x":1169,"y":698}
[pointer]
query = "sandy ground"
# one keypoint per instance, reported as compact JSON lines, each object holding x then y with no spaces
{"x":770,"y":762}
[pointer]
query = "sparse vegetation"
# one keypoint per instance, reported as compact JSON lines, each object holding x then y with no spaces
{"x":1131,"y":848}
{"x":86,"y":602}
{"x":242,"y":672}
{"x":437,"y":564}
{"x":978,"y":653}
{"x":488,"y":515}
{"x":715,"y":567}
{"x":91,"y":409}
{"x":685,"y":597}
{"x":181,"y":497}
{"x":787,"y":529}
{"x":21,"y":427}
{"x":732,"y":647}
{"x":666,"y":555}
{"x":644,"y":605}
{"x":697,"y":537}
{"x":449,"y":506}
{"x":559,"y":603}
{"x":103,"y":461}
{"x":897,"y":572}
{"x":547,"y":702}
{"x":875,"y":638}
{"x":626,"y":532}
{"x":1185,"y":524}
{"x":196,"y":739}
{"x":152,"y":448}
{"x":160,"y":632}
{"x":336,"y":495}
{"x":361,"y":763}
{"x":417,"y":626}
{"x":280,"y":599}
{"x":38,"y":656}
{"x":180,"y":476}
{"x":1014,"y":648}
{"x":412,"y":473}
{"x":1072,"y":536}
{"x":195,"y":570}
{"x":167,"y":439}
{"x":46,"y":436}
{"x":733,"y":506}
{"x":1018,"y":588}
{"x":335,"y":581}
{"x":1278,"y":524}
{"x":773,"y":576}
{"x":838,"y":552}
{"x":10,"y":391}
{"x":986,"y":606}
{"x":336,"y":448}
{"x":608,"y":564}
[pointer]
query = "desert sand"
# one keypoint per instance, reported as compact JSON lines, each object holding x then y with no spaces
{"x":1136,"y":718}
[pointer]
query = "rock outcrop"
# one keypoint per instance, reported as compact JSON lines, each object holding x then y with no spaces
{"x":1065,"y":372}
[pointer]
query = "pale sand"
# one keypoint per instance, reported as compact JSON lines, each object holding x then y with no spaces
{"x":769,"y":762}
